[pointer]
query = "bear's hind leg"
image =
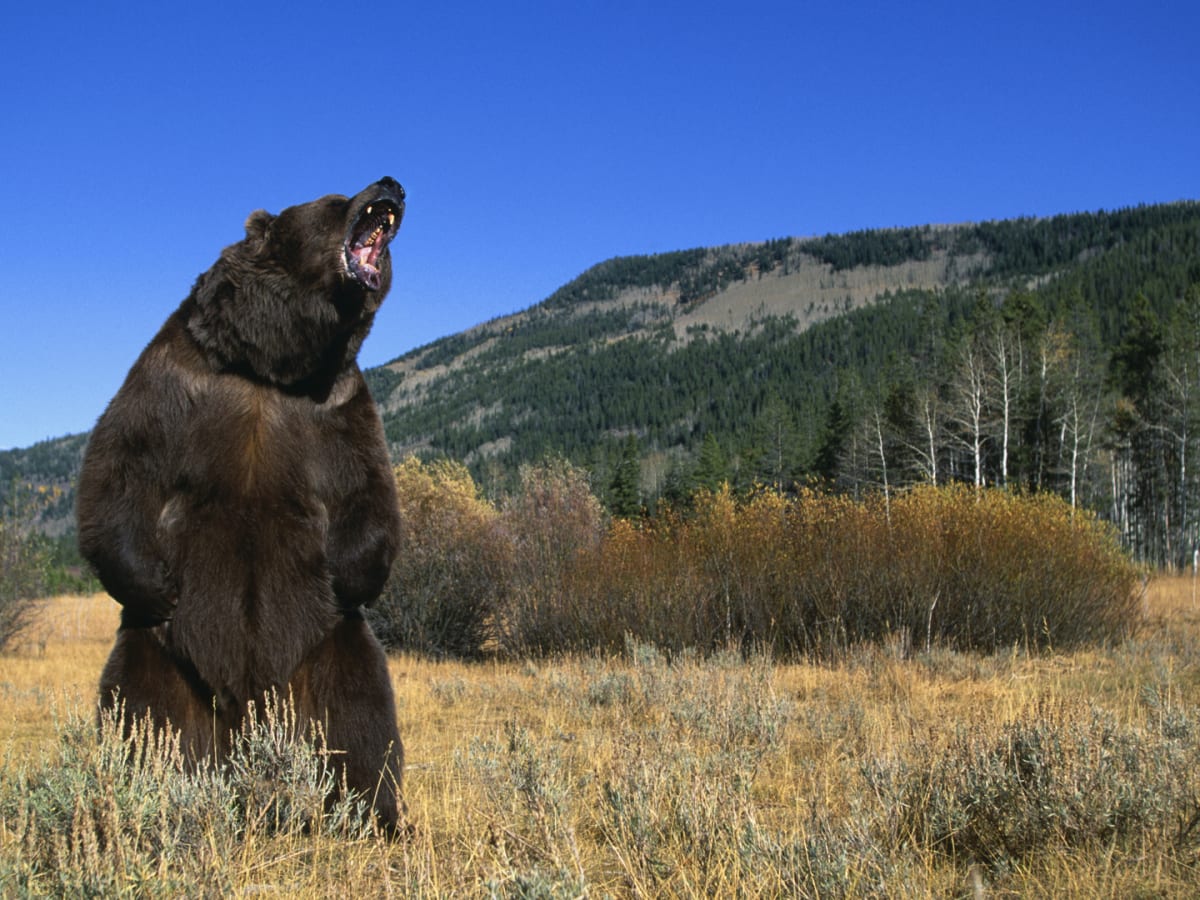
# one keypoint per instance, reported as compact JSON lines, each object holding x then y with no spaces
{"x":142,"y":678}
{"x":344,"y":684}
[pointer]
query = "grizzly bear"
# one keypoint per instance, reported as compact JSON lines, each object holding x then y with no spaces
{"x":237,"y":500}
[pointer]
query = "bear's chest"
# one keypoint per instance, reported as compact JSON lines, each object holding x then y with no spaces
{"x":246,"y":537}
{"x":250,"y":444}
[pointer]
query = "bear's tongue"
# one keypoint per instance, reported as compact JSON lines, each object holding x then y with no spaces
{"x":367,"y":254}
{"x":367,"y":247}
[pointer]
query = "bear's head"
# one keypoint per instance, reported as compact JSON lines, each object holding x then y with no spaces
{"x":291,"y":303}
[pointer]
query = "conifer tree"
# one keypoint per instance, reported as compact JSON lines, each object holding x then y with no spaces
{"x":624,"y":491}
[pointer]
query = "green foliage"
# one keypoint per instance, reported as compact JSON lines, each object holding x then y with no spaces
{"x":67,"y":572}
{"x":881,"y":247}
{"x":1045,"y":303}
{"x":51,"y":462}
{"x":37,"y":508}
{"x":625,"y":491}
{"x":381,"y":381}
{"x":607,"y":279}
{"x":1025,"y":247}
{"x":712,"y":465}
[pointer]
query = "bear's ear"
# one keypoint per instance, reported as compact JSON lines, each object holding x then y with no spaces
{"x":258,"y":224}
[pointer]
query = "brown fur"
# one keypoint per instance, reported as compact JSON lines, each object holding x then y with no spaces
{"x":237,"y":499}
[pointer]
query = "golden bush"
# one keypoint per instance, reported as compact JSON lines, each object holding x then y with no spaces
{"x":816,"y":573}
{"x":812,"y":573}
{"x":450,"y":576}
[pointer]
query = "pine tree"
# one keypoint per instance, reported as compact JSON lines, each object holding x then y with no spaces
{"x":712,"y":468}
{"x":624,"y":491}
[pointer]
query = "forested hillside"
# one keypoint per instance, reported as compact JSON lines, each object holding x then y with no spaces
{"x":1058,"y":354}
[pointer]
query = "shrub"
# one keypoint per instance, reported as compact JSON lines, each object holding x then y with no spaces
{"x":673,"y":803}
{"x":814,"y":574}
{"x":626,"y":584}
{"x":552,"y":523}
{"x":24,"y":561}
{"x":108,"y":815}
{"x":680,"y":799}
{"x":810,"y":574}
{"x":992,"y":569}
{"x":452,"y":568}
{"x":469,"y":577}
{"x":1054,"y":777}
{"x":955,"y":567}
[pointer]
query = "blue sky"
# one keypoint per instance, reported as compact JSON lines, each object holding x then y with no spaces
{"x":534,"y":140}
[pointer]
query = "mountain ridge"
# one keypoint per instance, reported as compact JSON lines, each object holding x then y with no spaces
{"x":732,"y":289}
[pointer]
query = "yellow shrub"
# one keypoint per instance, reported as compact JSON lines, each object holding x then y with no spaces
{"x":451,"y":573}
{"x":812,"y":573}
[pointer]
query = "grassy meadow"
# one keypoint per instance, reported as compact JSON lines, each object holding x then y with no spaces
{"x":887,"y":772}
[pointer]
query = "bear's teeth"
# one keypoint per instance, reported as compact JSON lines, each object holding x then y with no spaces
{"x":391,"y":219}
{"x":368,"y":210}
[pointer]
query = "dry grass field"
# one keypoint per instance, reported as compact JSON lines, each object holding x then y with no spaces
{"x":888,"y":773}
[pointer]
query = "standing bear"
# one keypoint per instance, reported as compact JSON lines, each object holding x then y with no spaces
{"x":237,"y":500}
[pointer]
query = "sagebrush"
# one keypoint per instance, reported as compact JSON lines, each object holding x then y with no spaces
{"x":108,"y":813}
{"x":652,"y":774}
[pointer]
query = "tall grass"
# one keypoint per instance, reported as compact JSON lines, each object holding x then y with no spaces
{"x":647,"y":774}
{"x":105,"y":815}
{"x":769,"y":696}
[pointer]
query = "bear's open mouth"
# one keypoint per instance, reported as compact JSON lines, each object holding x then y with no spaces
{"x":368,"y":238}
